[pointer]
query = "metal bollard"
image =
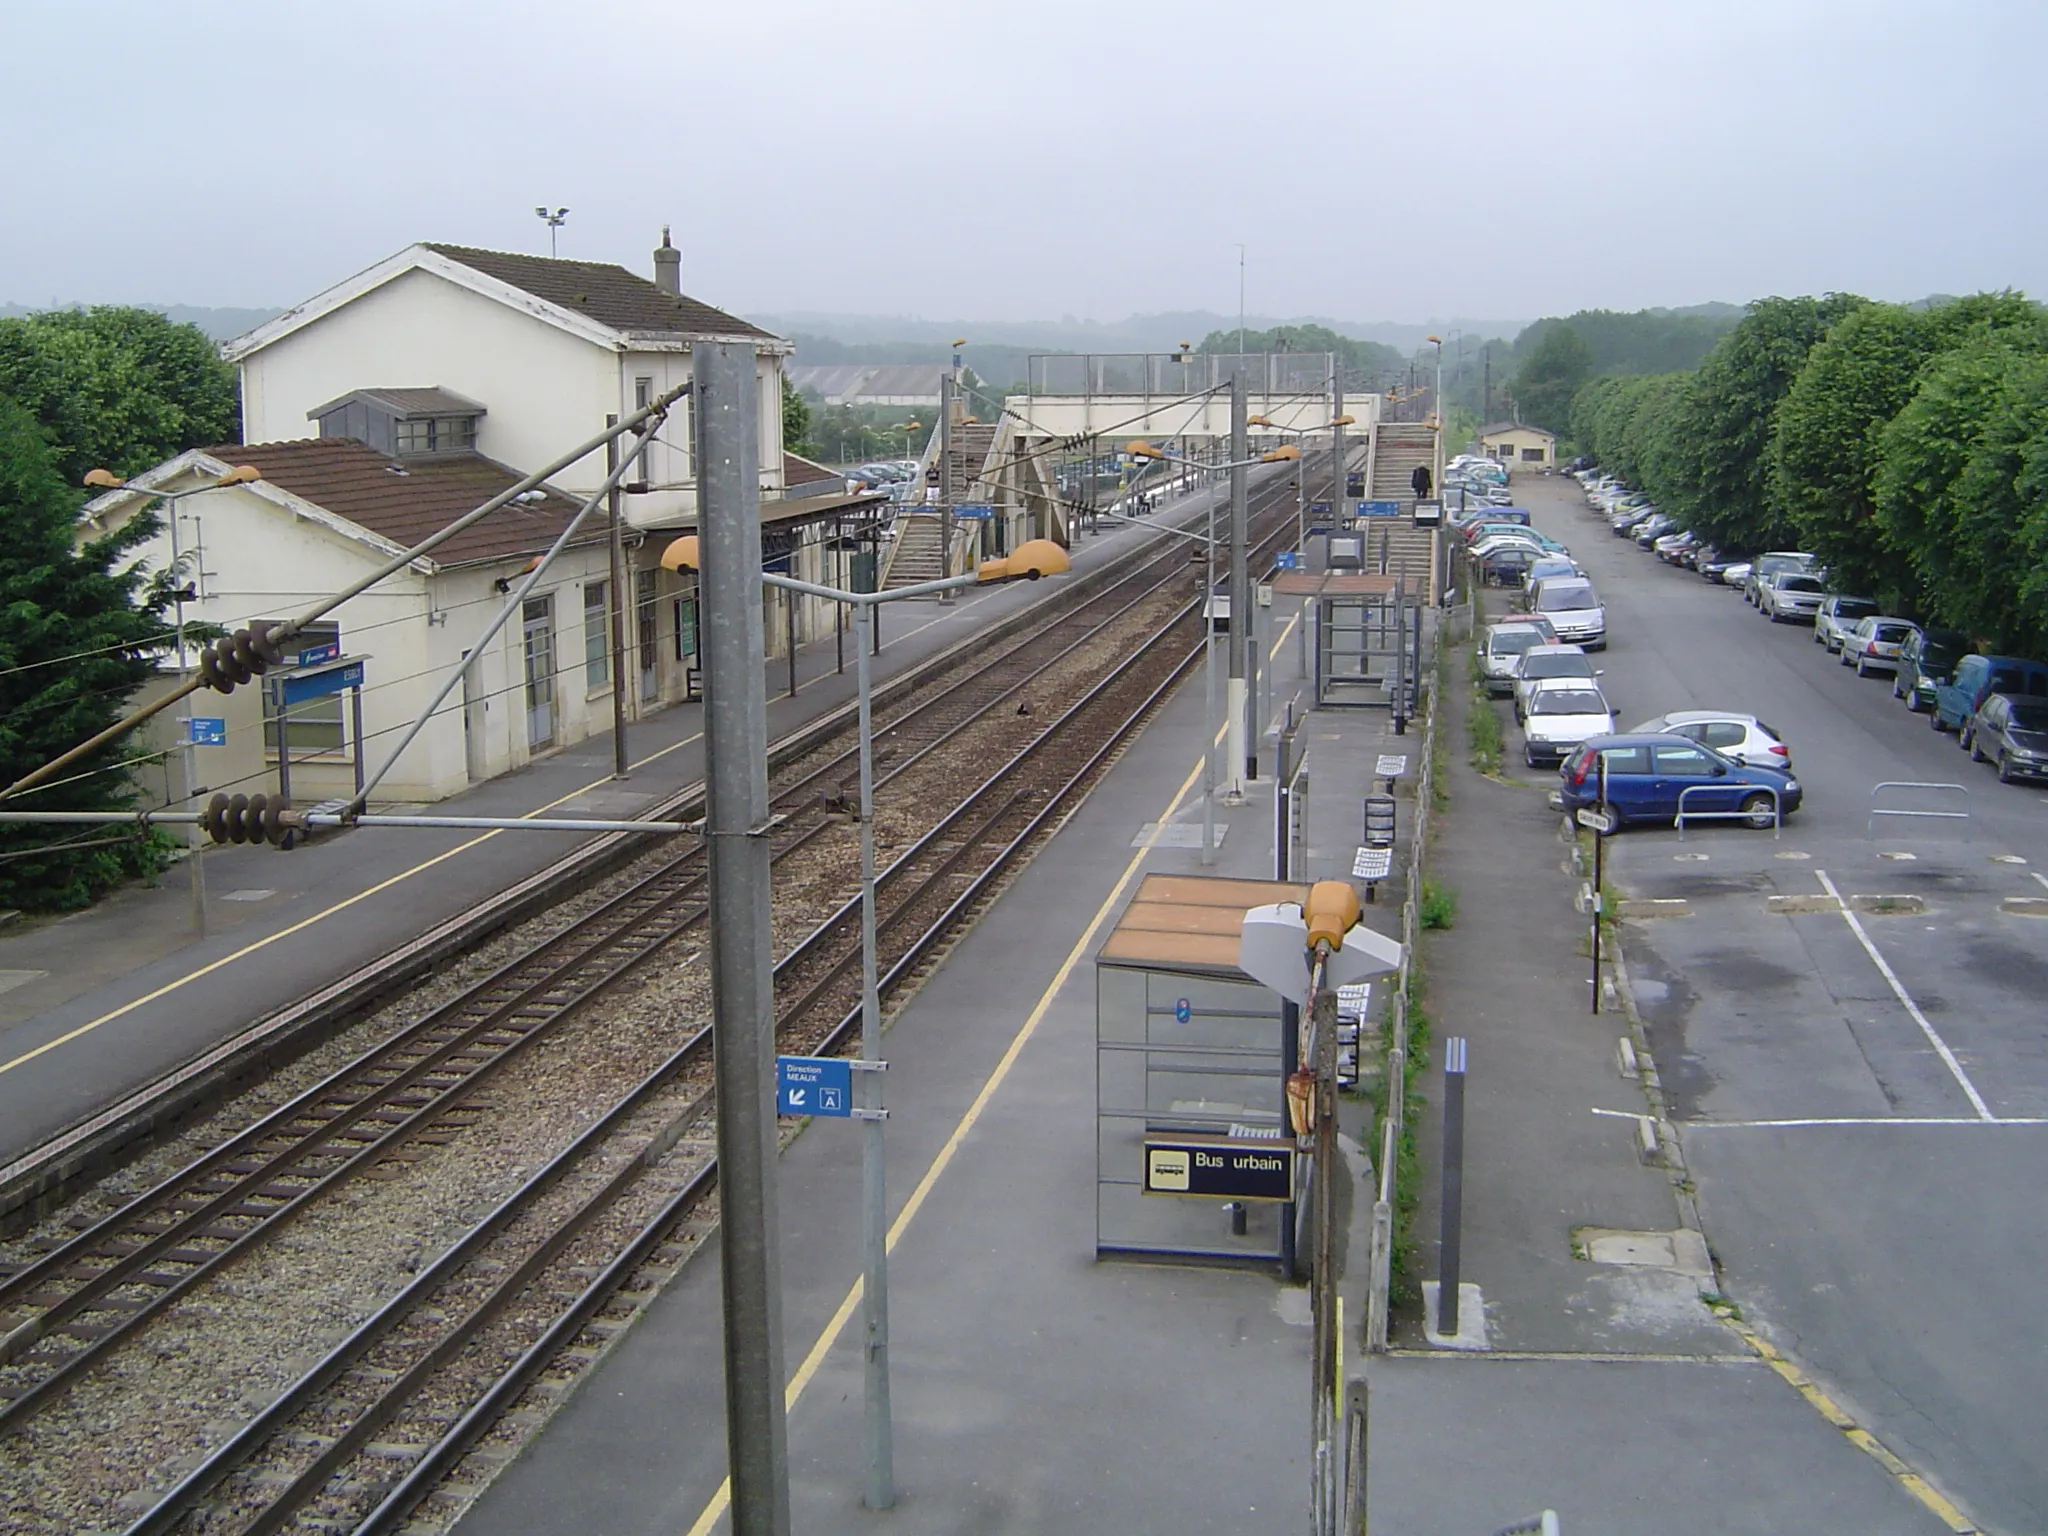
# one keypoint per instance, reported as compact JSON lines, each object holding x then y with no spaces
{"x":1454,"y":1187}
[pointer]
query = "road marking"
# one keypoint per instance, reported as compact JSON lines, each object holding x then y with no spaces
{"x":1689,"y":1126}
{"x":1855,"y":1434}
{"x":1898,"y":990}
{"x":2038,"y":876}
{"x":318,"y":917}
{"x":815,"y":1360}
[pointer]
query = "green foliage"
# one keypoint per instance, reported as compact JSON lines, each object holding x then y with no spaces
{"x":74,"y":643}
{"x":796,"y":421}
{"x":1438,"y":907}
{"x":1948,"y":483}
{"x":1483,"y":724}
{"x":116,"y":388}
{"x":1550,"y":375}
{"x":1825,"y":452}
{"x":1355,"y":356}
{"x":1644,"y":341}
{"x":1720,"y":485}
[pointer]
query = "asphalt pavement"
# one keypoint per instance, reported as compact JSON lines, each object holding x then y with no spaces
{"x":1860,"y":1084}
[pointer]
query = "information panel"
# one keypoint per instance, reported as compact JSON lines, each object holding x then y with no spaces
{"x":1219,"y":1169}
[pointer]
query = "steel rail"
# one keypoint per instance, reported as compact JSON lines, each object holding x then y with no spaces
{"x":402,"y":1499}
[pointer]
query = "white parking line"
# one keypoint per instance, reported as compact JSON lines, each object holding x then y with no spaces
{"x":2038,"y":876}
{"x":1905,"y":998}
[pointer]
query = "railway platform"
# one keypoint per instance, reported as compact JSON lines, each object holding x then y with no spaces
{"x":1036,"y":1389}
{"x":96,"y":1005}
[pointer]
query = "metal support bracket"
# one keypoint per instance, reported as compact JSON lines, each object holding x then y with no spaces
{"x":870,"y":1114}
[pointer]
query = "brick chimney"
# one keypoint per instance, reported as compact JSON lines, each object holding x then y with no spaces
{"x":668,"y":266}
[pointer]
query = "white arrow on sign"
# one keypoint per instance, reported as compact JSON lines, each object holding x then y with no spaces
{"x":796,"y":1097}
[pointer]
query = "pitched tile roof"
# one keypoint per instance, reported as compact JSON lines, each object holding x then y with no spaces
{"x":408,"y":403}
{"x":604,"y":291}
{"x":797,"y":470}
{"x":405,"y":500}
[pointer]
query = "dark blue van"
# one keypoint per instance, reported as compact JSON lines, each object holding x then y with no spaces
{"x":1976,"y":678}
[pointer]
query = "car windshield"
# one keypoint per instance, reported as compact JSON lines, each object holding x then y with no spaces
{"x":2030,"y":717}
{"x":1568,"y":701}
{"x":1854,"y":607}
{"x":1512,"y":642}
{"x":1566,"y":665}
{"x":1557,"y":597}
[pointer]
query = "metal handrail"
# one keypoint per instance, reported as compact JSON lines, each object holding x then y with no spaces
{"x":1876,"y":810}
{"x":1777,"y":807}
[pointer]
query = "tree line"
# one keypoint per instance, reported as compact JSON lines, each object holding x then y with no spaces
{"x":81,"y":623}
{"x":1906,"y":445}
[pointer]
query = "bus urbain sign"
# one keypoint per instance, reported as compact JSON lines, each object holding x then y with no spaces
{"x":1218,"y":1169}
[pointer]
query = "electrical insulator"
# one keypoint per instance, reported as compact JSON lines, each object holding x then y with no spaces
{"x":234,"y":659}
{"x":246,"y":819}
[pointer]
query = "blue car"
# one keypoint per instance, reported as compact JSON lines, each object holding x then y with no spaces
{"x":1647,"y":772}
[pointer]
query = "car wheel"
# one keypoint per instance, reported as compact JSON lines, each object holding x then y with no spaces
{"x":1934,"y":721}
{"x":1761,"y":810}
{"x":1816,"y":636}
{"x":2004,"y":769}
{"x":1610,"y":816}
{"x":1976,"y":752}
{"x":1914,"y":703}
{"x":1895,"y":687}
{"x":1963,"y":736}
{"x":1860,"y":672}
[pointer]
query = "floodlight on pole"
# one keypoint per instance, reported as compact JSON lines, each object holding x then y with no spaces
{"x":554,"y":221}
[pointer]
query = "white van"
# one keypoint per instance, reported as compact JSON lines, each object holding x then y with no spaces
{"x":1573,"y":608}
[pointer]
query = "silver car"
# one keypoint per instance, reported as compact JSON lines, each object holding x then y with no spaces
{"x":1873,"y":646}
{"x":1732,"y":734}
{"x":1770,"y":563}
{"x":1504,"y":646}
{"x":1837,"y":616}
{"x":1541,"y":661}
{"x":1791,"y":596}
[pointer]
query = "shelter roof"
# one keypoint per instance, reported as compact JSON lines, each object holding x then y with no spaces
{"x":1190,"y":922}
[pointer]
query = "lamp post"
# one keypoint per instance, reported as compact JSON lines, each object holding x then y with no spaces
{"x":188,"y":756}
{"x":1436,"y":409}
{"x":1033,"y":559}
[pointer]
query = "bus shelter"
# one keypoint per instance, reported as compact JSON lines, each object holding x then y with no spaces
{"x":1367,"y":632}
{"x":1195,"y":1158}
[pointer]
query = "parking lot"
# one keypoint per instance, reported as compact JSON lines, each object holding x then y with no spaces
{"x":1861,"y":1083}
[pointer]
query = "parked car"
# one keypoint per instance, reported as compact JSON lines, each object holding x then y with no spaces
{"x":2013,"y":733}
{"x":1742,"y":737}
{"x":1837,"y":616}
{"x":1713,"y":562}
{"x":1563,"y":712}
{"x":1769,"y":564}
{"x":1873,"y":644}
{"x":1924,"y":660}
{"x":1650,"y":530}
{"x":1737,"y":575}
{"x":1670,"y":547}
{"x":1647,"y":773}
{"x":1573,"y":608}
{"x":1974,"y":680}
{"x":1507,"y":564}
{"x":1541,"y":661}
{"x":1554,"y":565}
{"x":1790,"y":597}
{"x":1504,"y":646}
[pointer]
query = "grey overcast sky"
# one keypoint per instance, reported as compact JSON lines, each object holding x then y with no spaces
{"x":1045,"y":157}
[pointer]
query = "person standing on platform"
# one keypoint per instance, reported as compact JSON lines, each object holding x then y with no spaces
{"x":1420,"y":480}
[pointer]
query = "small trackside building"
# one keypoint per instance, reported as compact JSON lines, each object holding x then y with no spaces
{"x":1519,"y":447}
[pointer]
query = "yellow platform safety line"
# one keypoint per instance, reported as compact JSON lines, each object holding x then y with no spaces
{"x":814,"y":1361}
{"x":201,"y":972}
{"x":1916,"y":1485}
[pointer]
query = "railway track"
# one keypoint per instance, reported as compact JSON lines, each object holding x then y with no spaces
{"x":635,"y":1186}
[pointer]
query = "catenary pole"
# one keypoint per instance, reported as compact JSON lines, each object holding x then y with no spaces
{"x":1237,"y":701}
{"x":616,"y":590}
{"x":881,"y":1452}
{"x":742,"y":984}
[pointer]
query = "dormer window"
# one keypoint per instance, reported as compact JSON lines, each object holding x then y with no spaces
{"x":435,"y":434}
{"x":405,"y":423}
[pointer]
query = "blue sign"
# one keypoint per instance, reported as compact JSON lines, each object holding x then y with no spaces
{"x":313,"y":655}
{"x":208,"y":731}
{"x":975,"y":509}
{"x":1287,"y":560}
{"x":813,"y":1085}
{"x":1182,"y":1010}
{"x":317,"y":685}
{"x":1379,"y":509}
